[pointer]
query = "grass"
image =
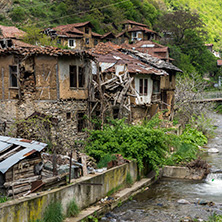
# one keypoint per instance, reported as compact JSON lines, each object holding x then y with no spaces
{"x":72,"y":209}
{"x":53,"y":213}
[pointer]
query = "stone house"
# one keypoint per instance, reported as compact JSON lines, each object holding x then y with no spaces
{"x":49,"y":81}
{"x":152,"y":48}
{"x":153,"y":86}
{"x":138,"y":31}
{"x":75,"y":36}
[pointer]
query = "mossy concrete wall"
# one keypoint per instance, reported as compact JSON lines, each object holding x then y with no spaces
{"x":31,"y":208}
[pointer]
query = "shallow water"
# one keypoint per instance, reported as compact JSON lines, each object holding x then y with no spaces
{"x":160,"y":201}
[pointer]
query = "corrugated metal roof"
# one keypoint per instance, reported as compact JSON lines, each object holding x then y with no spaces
{"x":27,"y":148}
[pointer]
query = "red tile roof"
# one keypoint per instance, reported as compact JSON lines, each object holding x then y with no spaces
{"x":18,"y":43}
{"x":134,"y":23}
{"x":143,"y":29}
{"x":109,"y":53}
{"x":104,"y":48}
{"x":51,"y":51}
{"x":108,"y":35}
{"x":11,"y":32}
{"x":96,"y":35}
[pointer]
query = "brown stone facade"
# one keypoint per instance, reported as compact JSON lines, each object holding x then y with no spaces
{"x":44,"y":85}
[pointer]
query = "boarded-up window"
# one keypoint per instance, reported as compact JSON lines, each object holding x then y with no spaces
{"x":73,"y":76}
{"x":81,"y":121}
{"x":13,"y":76}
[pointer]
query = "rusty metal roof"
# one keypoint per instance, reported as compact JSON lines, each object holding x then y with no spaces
{"x":12,"y":150}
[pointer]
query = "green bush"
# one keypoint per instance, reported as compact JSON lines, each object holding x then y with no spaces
{"x":104,"y":160}
{"x":53,"y":213}
{"x":72,"y":209}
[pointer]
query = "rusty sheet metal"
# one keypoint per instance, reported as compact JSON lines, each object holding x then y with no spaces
{"x":29,"y":153}
{"x":28,"y":149}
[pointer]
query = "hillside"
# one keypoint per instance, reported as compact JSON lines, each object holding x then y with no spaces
{"x":101,"y":13}
{"x":210,"y":12}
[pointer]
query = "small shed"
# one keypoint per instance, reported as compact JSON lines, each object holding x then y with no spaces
{"x":20,"y":164}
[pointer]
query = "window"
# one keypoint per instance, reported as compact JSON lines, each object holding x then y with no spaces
{"x":72,"y":43}
{"x":68,"y":116}
{"x":95,"y":41}
{"x":87,"y":41}
{"x":81,"y":121}
{"x":73,"y":76}
{"x":156,"y":86}
{"x":143,"y":86}
{"x":76,"y":76}
{"x":134,"y":34}
{"x":87,"y":30}
{"x":13,"y":76}
{"x":59,"y":41}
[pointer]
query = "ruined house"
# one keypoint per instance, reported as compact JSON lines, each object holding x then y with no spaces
{"x":152,"y":48}
{"x":153,"y":80}
{"x":9,"y":34}
{"x":75,"y":36}
{"x":50,"y":81}
{"x":20,"y":165}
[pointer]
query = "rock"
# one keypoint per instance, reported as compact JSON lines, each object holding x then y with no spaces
{"x":183,"y":201}
{"x":213,"y":150}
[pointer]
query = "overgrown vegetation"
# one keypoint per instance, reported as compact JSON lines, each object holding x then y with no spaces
{"x":129,"y":179}
{"x":53,"y":213}
{"x":105,"y":160}
{"x":3,"y":199}
{"x":148,"y":143}
{"x":215,"y":218}
{"x":72,"y":209}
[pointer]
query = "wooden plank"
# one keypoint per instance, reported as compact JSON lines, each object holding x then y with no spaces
{"x":24,"y":180}
{"x":6,"y":155}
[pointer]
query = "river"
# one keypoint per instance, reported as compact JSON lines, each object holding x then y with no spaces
{"x":159,"y":202}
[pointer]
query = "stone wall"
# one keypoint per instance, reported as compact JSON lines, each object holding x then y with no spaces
{"x":32,"y":207}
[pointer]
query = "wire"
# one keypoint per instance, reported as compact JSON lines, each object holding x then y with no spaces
{"x":106,"y":6}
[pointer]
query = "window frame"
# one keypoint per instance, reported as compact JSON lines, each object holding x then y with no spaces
{"x":143,"y":86}
{"x":16,"y":74}
{"x":71,"y":45}
{"x":78,"y":77}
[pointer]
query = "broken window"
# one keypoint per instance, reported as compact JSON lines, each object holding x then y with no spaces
{"x":77,"y":76}
{"x":81,"y":121}
{"x":87,"y":41}
{"x":72,"y":43}
{"x":13,"y":76}
{"x":143,"y":86}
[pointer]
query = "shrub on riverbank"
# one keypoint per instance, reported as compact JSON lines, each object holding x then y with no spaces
{"x":148,"y":143}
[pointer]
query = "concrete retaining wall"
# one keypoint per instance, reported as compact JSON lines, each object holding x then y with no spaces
{"x":32,"y":207}
{"x":177,"y":172}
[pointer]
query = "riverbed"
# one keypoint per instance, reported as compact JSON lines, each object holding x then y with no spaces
{"x":160,"y":202}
